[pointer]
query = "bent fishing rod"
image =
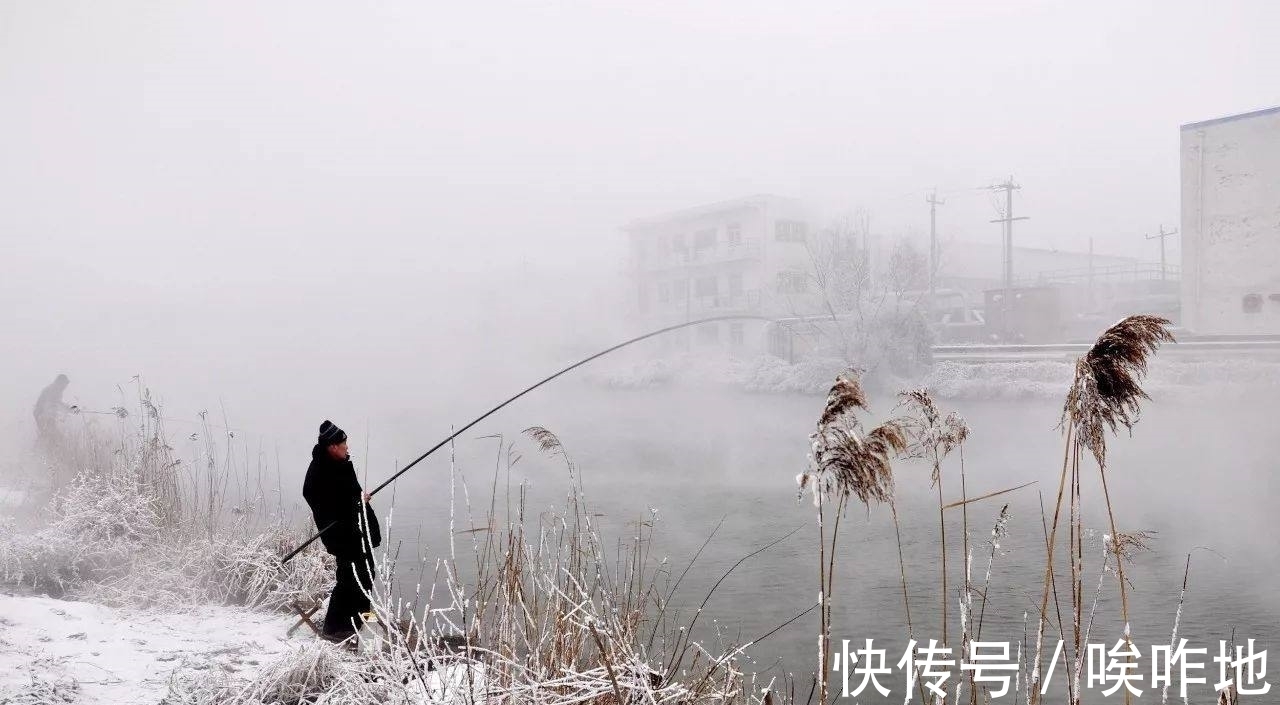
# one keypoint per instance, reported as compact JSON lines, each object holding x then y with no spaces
{"x":495,"y":409}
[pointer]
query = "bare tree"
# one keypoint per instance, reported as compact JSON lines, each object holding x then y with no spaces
{"x":868,"y":318}
{"x":908,"y":267}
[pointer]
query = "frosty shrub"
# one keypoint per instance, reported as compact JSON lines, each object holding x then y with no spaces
{"x":106,"y":508}
{"x":890,"y":344}
{"x":98,"y":524}
{"x":122,"y":528}
{"x":242,"y":567}
{"x":321,"y":672}
{"x":640,"y":375}
{"x":303,"y":675}
{"x":239,"y":565}
{"x":772,"y":374}
{"x":105,"y":540}
{"x":41,"y":691}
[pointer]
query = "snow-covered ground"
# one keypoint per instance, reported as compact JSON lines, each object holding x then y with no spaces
{"x":97,"y":654}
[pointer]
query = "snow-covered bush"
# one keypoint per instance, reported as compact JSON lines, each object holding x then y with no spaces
{"x":304,"y":675}
{"x":104,"y":508}
{"x":390,"y":672}
{"x":1034,"y":379}
{"x":117,"y":528}
{"x":771,"y":374}
{"x":42,"y":691}
{"x":98,"y":524}
{"x":239,"y":565}
{"x":639,"y":375}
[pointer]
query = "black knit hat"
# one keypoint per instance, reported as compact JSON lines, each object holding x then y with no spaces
{"x":331,"y":435}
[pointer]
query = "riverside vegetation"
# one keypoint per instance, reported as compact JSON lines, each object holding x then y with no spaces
{"x":542,"y":608}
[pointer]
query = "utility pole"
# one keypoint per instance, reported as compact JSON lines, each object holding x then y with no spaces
{"x":1091,"y":296}
{"x":1161,"y":236}
{"x":1007,"y":221}
{"x":932,"y":200}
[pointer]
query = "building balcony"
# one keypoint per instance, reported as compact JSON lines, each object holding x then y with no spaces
{"x":721,"y":252}
{"x":741,"y":302}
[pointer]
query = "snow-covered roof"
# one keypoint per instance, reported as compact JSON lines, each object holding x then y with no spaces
{"x":1231,"y":118}
{"x":735,"y":204}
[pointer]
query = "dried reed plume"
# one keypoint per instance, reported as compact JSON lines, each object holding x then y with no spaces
{"x":1127,"y":546}
{"x":845,"y":395}
{"x":1106,"y":393}
{"x":845,"y":460}
{"x":933,"y":436}
{"x":547,"y":441}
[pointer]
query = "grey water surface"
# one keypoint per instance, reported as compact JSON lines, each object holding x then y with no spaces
{"x":1197,"y":473}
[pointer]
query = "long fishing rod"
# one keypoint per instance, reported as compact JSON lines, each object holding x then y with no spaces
{"x":495,"y":409}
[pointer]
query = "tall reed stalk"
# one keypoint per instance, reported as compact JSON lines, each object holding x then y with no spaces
{"x":846,"y":462}
{"x":1104,"y":396}
{"x":932,"y":436}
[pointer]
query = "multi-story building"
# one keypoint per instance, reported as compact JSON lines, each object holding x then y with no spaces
{"x":745,"y":256}
{"x":1231,"y":224}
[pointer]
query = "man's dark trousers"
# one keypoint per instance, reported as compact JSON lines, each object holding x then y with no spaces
{"x":348,"y":600}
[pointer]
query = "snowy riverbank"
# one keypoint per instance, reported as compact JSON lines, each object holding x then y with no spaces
{"x":66,"y":651}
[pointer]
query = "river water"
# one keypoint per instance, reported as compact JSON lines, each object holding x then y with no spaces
{"x":1198,"y":473}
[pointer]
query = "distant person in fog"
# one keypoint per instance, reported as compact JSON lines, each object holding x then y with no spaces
{"x":49,"y":411}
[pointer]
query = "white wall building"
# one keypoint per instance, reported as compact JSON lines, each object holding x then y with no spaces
{"x":1231,"y":224}
{"x":744,"y":256}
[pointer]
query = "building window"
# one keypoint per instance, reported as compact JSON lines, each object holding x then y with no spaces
{"x":704,"y":240}
{"x":643,"y":299}
{"x":664,"y":292}
{"x":679,"y":289}
{"x":708,"y":334}
{"x":780,"y":341}
{"x":793,"y":282}
{"x":736,"y":335}
{"x":735,"y":284}
{"x":789,"y":231}
{"x":678,"y":246}
{"x":733,"y":234}
{"x":705,"y":286}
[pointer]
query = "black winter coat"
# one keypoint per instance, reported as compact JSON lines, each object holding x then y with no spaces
{"x":334,"y":493}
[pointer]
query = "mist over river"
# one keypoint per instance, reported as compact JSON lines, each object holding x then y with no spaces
{"x":1199,"y":473}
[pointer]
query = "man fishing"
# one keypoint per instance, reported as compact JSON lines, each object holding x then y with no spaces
{"x":49,"y":412}
{"x":745,"y":317}
{"x":336,"y":500}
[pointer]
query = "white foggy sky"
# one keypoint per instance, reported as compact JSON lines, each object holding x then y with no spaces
{"x":245,"y":164}
{"x":245,"y":136}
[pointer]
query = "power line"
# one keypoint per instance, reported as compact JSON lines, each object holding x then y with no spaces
{"x":932,"y":200}
{"x":1161,"y":236}
{"x":1009,"y":186}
